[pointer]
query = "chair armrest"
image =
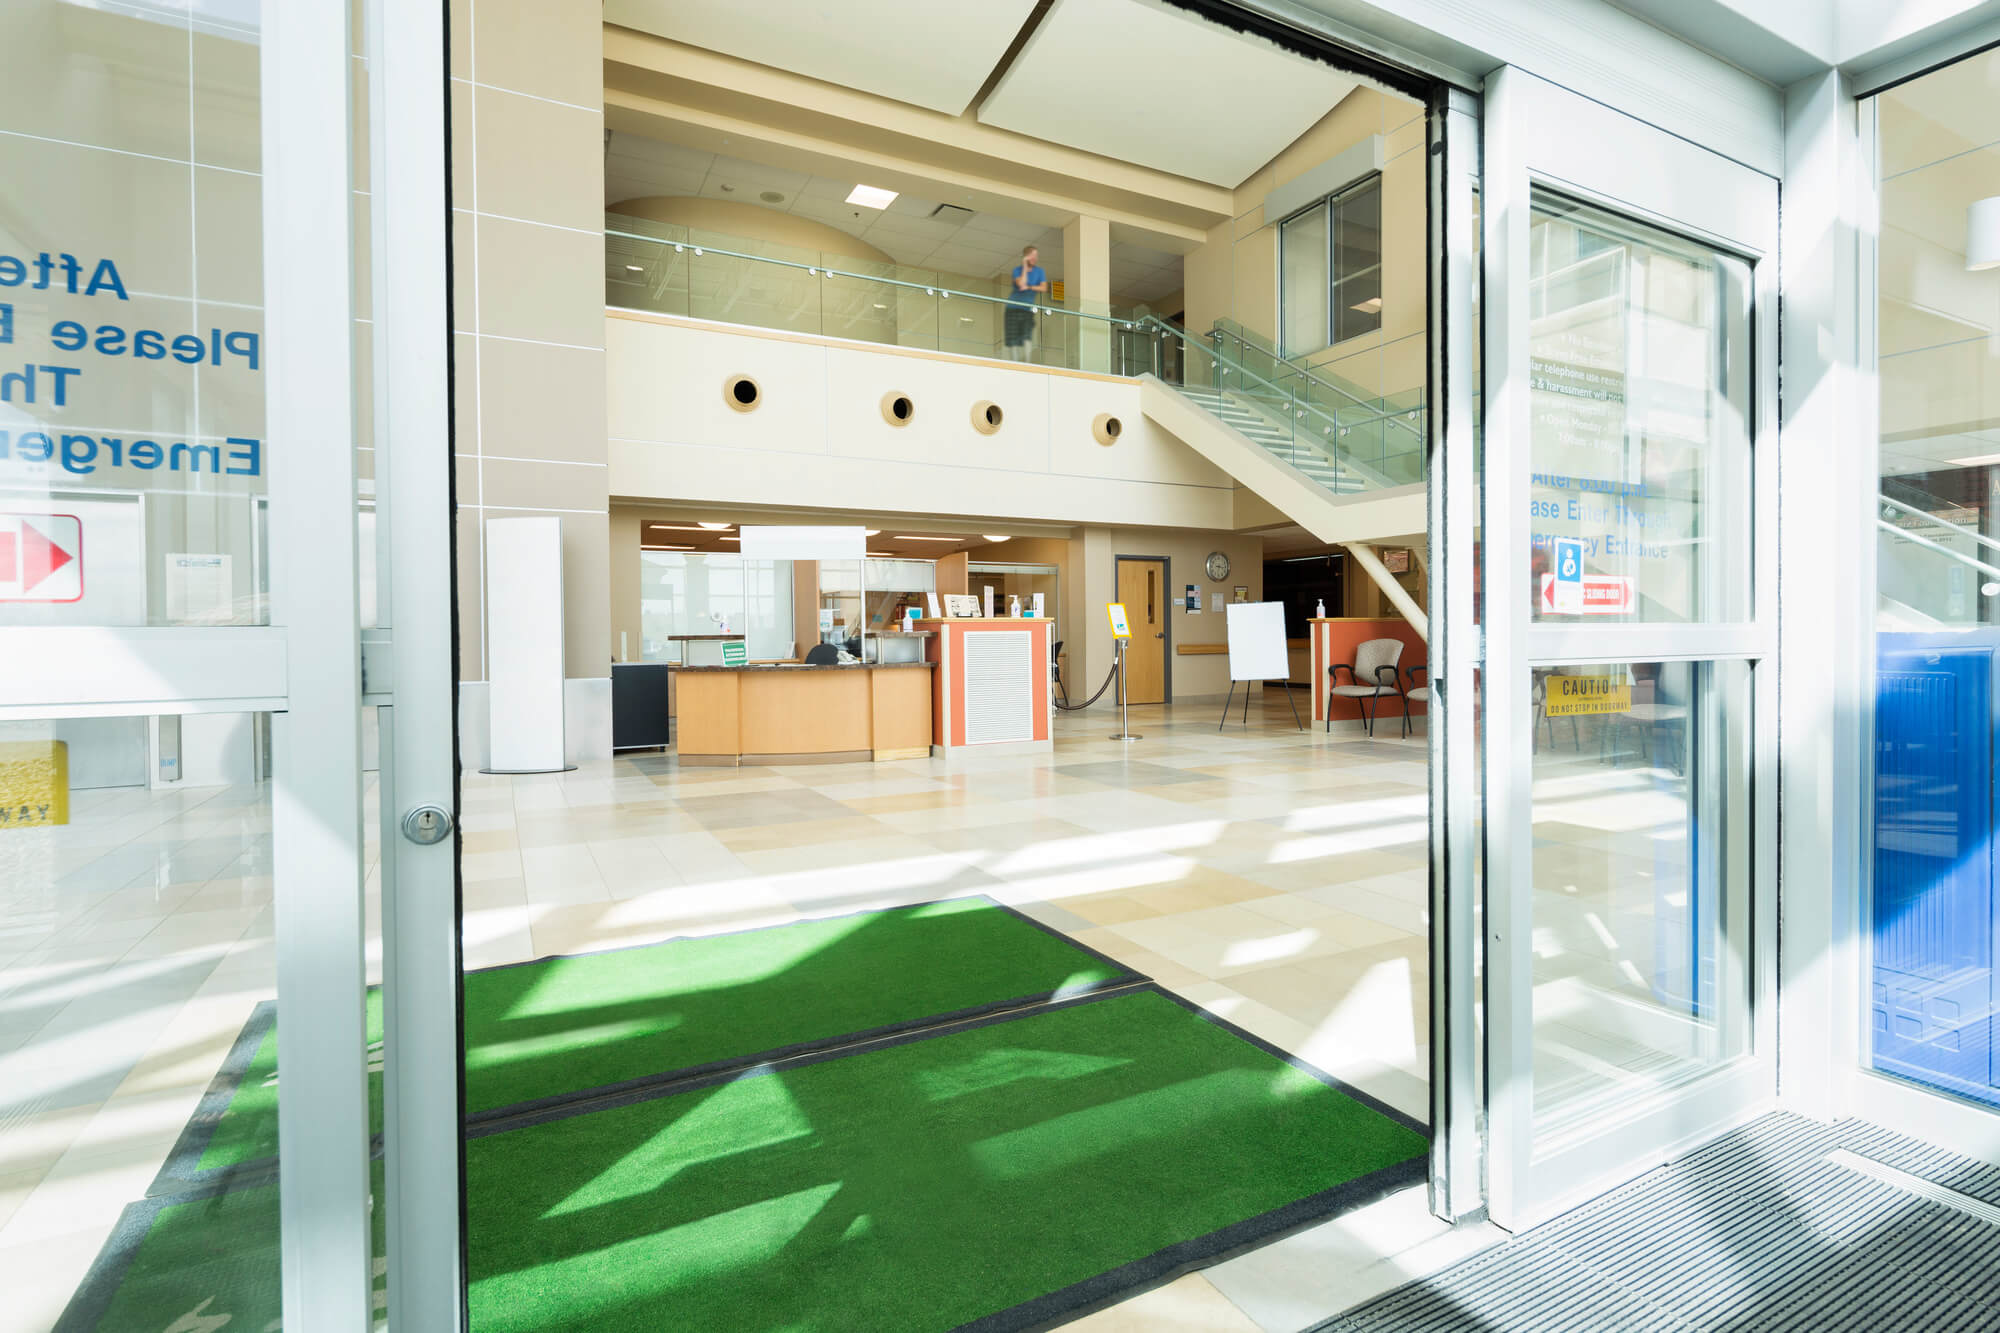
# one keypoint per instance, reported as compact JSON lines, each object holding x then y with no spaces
{"x":1420,"y":669}
{"x":1391,"y":682}
{"x":1333,"y":672}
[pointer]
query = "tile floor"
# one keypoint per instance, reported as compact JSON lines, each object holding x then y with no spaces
{"x":1275,"y":876}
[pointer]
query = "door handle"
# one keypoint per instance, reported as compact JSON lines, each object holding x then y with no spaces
{"x":1161,"y":635}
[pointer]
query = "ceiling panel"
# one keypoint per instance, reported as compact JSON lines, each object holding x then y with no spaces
{"x":1058,"y":89}
{"x":923,"y":52}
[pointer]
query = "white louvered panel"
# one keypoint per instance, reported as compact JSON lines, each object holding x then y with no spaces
{"x":999,"y":686}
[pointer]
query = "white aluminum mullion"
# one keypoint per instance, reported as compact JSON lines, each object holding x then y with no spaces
{"x":421,"y":941}
{"x":323,"y":1130}
{"x":1456,"y":1175}
{"x":1509,"y":916}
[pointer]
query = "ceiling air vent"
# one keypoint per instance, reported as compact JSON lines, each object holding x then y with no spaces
{"x":951,"y":213}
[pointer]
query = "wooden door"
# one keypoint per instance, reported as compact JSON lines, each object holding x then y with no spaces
{"x":1142,"y":586}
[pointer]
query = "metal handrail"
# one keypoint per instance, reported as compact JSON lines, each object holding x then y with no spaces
{"x":1945,"y":551}
{"x":1958,"y":528}
{"x":1331,"y":450}
{"x":1303,"y":372}
{"x":827,"y":271}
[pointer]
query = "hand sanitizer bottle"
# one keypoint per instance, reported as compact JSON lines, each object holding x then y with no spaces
{"x":1319,"y":611}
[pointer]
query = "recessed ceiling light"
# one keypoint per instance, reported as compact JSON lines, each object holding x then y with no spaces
{"x":991,"y":538}
{"x":1977,"y":460}
{"x":872,"y":532}
{"x":772,"y":197}
{"x":900,"y":538}
{"x":635,"y":268}
{"x":1371,"y":306}
{"x":727,"y":189}
{"x":870,"y":196}
{"x":716,"y":527}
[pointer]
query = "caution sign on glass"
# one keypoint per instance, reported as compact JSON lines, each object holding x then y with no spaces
{"x":1578,"y":696}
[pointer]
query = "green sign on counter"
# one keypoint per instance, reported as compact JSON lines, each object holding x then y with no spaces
{"x":735,"y":654}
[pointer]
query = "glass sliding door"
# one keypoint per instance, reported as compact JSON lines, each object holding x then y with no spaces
{"x":1630,"y":627}
{"x":1930,"y":916}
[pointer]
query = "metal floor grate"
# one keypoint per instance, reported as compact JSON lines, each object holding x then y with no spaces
{"x":1776,"y":1228}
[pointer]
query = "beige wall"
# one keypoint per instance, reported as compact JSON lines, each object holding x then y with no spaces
{"x":1186,"y":552}
{"x":751,"y":222}
{"x":528,"y":306}
{"x":820,"y":440}
{"x":627,"y":530}
{"x":1234,"y":273}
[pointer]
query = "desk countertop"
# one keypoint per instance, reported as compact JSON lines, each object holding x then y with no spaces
{"x":701,"y":638}
{"x":803,"y":666}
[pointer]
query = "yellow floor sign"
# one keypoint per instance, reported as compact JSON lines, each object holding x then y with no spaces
{"x":1576,"y":696}
{"x":34,"y":783}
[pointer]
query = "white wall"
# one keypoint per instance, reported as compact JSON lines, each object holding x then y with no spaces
{"x":819,"y":439}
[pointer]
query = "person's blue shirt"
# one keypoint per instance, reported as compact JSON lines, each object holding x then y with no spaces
{"x":1026,"y":295}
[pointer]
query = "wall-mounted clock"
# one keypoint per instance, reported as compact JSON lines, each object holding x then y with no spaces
{"x":1218,"y":566}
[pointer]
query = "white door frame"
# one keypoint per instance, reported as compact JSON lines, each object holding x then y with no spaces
{"x":416,"y":705}
{"x":1538,"y":134}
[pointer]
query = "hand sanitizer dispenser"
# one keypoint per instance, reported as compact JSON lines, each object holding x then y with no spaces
{"x":1319,"y":611}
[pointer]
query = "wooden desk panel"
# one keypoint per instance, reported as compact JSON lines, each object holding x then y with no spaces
{"x":709,"y":709}
{"x":805,"y":712}
{"x":901,"y":714}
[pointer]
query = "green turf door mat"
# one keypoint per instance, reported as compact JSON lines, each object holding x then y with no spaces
{"x":1005,"y":1175}
{"x":548,"y":1031}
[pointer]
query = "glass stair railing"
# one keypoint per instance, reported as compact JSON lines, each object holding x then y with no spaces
{"x":666,"y":269}
{"x":1345,"y":454}
{"x":1932,"y":572}
{"x":1399,"y":420}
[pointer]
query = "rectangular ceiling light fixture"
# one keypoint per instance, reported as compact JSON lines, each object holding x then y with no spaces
{"x":904,"y":538}
{"x":869,"y":196}
{"x":1371,"y":306}
{"x":1977,"y":460}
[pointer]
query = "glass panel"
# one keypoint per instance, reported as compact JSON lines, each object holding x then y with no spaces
{"x":840,"y":604}
{"x":1302,"y":268}
{"x":1931,"y":917}
{"x":135,"y":928}
{"x":132,"y":462}
{"x":1022,"y":581}
{"x":1640,"y":356}
{"x":1357,"y":263}
{"x":689,"y":601}
{"x":1641,"y":887}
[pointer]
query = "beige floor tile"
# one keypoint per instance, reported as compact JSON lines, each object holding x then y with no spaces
{"x":1188,"y":1305}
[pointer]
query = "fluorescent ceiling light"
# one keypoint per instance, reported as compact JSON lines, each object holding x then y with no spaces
{"x":666,"y":548}
{"x":926,"y":539}
{"x":872,"y":532}
{"x":991,"y":538}
{"x":674,"y":527}
{"x":1371,"y":306}
{"x":716,"y":527}
{"x":869,"y":196}
{"x":635,"y":268}
{"x":1977,"y":460}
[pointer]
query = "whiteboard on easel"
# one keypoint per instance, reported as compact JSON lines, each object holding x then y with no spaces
{"x":1257,"y":641}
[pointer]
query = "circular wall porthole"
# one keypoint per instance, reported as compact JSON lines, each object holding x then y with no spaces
{"x":898,"y":408}
{"x":741,"y":393}
{"x":986,"y":417}
{"x":1106,"y":428}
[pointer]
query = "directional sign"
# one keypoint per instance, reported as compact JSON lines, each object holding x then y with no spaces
{"x":41,"y":558}
{"x":1600,"y":594}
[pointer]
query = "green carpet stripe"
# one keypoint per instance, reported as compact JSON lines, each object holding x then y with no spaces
{"x":992,"y":1174}
{"x":555,"y":1027}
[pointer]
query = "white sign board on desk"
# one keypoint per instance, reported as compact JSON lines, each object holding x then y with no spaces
{"x":1257,"y":641}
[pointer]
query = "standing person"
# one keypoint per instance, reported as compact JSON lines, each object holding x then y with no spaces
{"x":1028,"y":280}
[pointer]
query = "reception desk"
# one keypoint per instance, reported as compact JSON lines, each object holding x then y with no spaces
{"x":786,"y":713}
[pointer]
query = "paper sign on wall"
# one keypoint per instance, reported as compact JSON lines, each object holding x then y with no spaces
{"x":1215,"y":602}
{"x":1191,"y":599}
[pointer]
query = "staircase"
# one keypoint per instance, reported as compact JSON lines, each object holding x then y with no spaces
{"x":1253,"y":425}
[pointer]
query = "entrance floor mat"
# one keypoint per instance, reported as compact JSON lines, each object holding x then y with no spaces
{"x":542,"y":1032}
{"x":1784,"y":1226}
{"x":1005,"y":1174}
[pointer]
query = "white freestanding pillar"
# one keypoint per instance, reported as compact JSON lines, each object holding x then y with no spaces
{"x":524,"y":645}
